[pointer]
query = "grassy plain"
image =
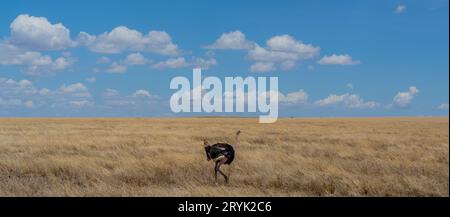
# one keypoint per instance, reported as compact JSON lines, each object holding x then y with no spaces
{"x":164,"y":157}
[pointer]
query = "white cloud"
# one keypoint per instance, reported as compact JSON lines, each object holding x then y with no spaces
{"x":141,"y":93}
{"x":231,"y":41}
{"x":347,"y":100}
{"x":287,"y":65}
{"x":76,"y":90}
{"x":33,"y":63}
{"x":443,"y":106}
{"x":203,"y":63}
{"x":403,"y":99}
{"x":293,"y":98}
{"x":259,"y":53}
{"x":262,"y":67}
{"x":290,"y":99}
{"x":29,"y":35}
{"x":283,"y":51}
{"x":13,"y":88}
{"x":23,"y":93}
{"x":139,"y":98}
{"x":112,"y":97}
{"x":171,"y":63}
{"x":117,"y":68}
{"x":122,"y":39}
{"x":281,"y":48}
{"x":37,"y":33}
{"x":80,"y":103}
{"x":38,"y":64}
{"x":75,"y":95}
{"x":400,"y":9}
{"x":338,"y":60}
{"x":160,"y":42}
{"x":85,"y":38}
{"x":286,"y":43}
{"x":135,"y":59}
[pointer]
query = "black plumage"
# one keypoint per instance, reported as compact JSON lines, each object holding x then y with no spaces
{"x":218,"y":149}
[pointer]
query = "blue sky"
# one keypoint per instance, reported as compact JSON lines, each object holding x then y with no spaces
{"x":116,"y":58}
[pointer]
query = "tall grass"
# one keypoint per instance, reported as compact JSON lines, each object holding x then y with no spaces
{"x":165,"y":157}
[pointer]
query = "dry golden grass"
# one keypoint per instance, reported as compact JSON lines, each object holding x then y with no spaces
{"x":165,"y":157}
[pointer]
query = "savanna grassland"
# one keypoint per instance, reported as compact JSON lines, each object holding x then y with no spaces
{"x":165,"y":157}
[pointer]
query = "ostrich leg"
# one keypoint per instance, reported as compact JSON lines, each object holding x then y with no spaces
{"x":217,"y":169}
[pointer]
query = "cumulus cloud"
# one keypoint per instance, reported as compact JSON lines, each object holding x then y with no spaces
{"x":404,"y":99}
{"x":75,"y":95}
{"x":203,"y":63}
{"x":293,"y":98}
{"x":122,"y":39}
{"x":141,"y":93}
{"x":262,"y":67}
{"x":287,"y":65}
{"x":400,"y":9}
{"x":171,"y":63}
{"x":259,"y":53}
{"x":112,"y":97}
{"x":85,"y":38}
{"x":37,"y":33}
{"x":116,"y":67}
{"x":33,"y":63}
{"x":121,"y":66}
{"x":335,"y":59}
{"x":80,"y":103}
{"x":138,"y":98}
{"x":30,"y":36}
{"x":282,"y":48}
{"x":13,"y":88}
{"x":77,"y":90}
{"x":347,"y":100}
{"x":287,"y":44}
{"x":282,"y":52}
{"x":235,"y":40}
{"x":135,"y":59}
{"x":23,"y":93}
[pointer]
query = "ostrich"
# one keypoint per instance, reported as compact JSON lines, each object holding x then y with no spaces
{"x":220,"y":153}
